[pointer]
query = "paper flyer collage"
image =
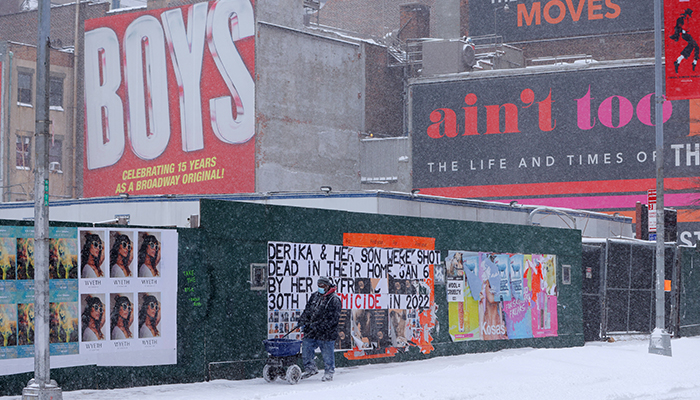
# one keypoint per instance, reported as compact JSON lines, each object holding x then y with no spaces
{"x":386,"y":294}
{"x":112,"y":295}
{"x":501,"y":296}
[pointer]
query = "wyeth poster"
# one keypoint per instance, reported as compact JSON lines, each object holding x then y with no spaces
{"x":501,"y":296}
{"x":112,"y":295}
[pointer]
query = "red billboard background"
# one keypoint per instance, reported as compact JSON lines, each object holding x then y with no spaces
{"x":682,"y":31}
{"x":134,"y":62}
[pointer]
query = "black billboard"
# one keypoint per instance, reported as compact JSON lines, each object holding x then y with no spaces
{"x":525,"y":20}
{"x":584,"y":132}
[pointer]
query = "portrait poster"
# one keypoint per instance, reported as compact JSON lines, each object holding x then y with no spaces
{"x":386,"y":294}
{"x":135,"y":287}
{"x":463,"y":307}
{"x":541,"y":278}
{"x":100,"y":311}
{"x":506,"y":296}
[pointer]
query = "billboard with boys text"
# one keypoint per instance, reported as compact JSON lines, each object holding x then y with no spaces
{"x":170,"y":101}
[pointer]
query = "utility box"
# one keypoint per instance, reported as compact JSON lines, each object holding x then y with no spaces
{"x":442,"y":57}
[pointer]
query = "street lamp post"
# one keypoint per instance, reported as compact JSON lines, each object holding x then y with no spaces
{"x":660,"y":340}
{"x":41,"y":387}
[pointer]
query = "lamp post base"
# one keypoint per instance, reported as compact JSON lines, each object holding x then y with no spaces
{"x":660,"y":343}
{"x":34,"y":391}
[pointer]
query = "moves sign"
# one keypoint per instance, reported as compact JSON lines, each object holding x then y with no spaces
{"x":525,"y":20}
{"x":170,"y":101}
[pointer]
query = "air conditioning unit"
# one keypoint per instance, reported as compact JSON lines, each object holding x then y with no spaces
{"x":54,"y":166}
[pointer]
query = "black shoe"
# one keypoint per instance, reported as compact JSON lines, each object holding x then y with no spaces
{"x":308,"y":374}
{"x":675,"y":65}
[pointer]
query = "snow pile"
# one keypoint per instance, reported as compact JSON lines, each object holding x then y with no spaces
{"x":620,"y":370}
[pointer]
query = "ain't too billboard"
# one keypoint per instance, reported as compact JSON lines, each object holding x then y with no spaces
{"x":170,"y":101}
{"x":578,"y":137}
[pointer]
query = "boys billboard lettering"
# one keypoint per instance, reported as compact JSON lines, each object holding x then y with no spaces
{"x":383,"y":291}
{"x":525,"y":20}
{"x":170,"y":100}
{"x":588,"y":125}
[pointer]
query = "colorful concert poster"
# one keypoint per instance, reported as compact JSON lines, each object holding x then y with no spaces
{"x":498,"y":296}
{"x":463,"y":294}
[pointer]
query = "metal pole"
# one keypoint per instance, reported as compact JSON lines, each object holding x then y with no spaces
{"x":660,"y":341}
{"x":76,"y":64}
{"x":42,"y":387}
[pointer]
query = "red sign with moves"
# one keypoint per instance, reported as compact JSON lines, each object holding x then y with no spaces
{"x":682,"y":33}
{"x":170,"y":101}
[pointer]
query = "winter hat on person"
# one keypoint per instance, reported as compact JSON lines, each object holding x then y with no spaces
{"x":325,"y":281}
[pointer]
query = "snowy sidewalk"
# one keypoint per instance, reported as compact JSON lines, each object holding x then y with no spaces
{"x":620,"y":370}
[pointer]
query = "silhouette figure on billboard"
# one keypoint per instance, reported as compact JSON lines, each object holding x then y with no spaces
{"x":681,"y":33}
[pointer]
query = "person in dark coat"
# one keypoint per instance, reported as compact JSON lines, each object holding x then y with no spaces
{"x":319,"y":322}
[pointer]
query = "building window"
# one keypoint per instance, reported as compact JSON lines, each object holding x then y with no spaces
{"x":24,"y":87}
{"x":56,"y":155}
{"x":56,"y":92}
{"x":24,"y":152}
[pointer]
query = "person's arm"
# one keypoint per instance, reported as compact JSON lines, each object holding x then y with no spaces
{"x":305,"y":318}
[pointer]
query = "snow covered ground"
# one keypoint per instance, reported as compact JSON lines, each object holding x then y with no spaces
{"x":620,"y":370}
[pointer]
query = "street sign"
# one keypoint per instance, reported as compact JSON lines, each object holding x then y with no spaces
{"x":651,"y":202}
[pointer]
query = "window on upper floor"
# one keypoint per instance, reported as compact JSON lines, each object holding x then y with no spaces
{"x":56,"y":92}
{"x":56,"y":155}
{"x":24,"y":152}
{"x":24,"y":87}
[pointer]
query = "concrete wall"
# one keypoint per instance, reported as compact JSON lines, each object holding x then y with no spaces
{"x":386,"y":164}
{"x":310,"y":110}
{"x":288,"y":13}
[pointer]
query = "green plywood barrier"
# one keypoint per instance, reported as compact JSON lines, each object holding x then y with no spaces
{"x":222,"y":322}
{"x":238,"y":234}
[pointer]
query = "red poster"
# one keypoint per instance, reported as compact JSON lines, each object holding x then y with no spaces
{"x":170,"y":101}
{"x":682,"y":32}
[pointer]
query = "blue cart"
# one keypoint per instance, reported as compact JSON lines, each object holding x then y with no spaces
{"x":284,"y":355}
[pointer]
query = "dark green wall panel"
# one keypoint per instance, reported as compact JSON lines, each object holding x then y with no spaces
{"x":222,"y":322}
